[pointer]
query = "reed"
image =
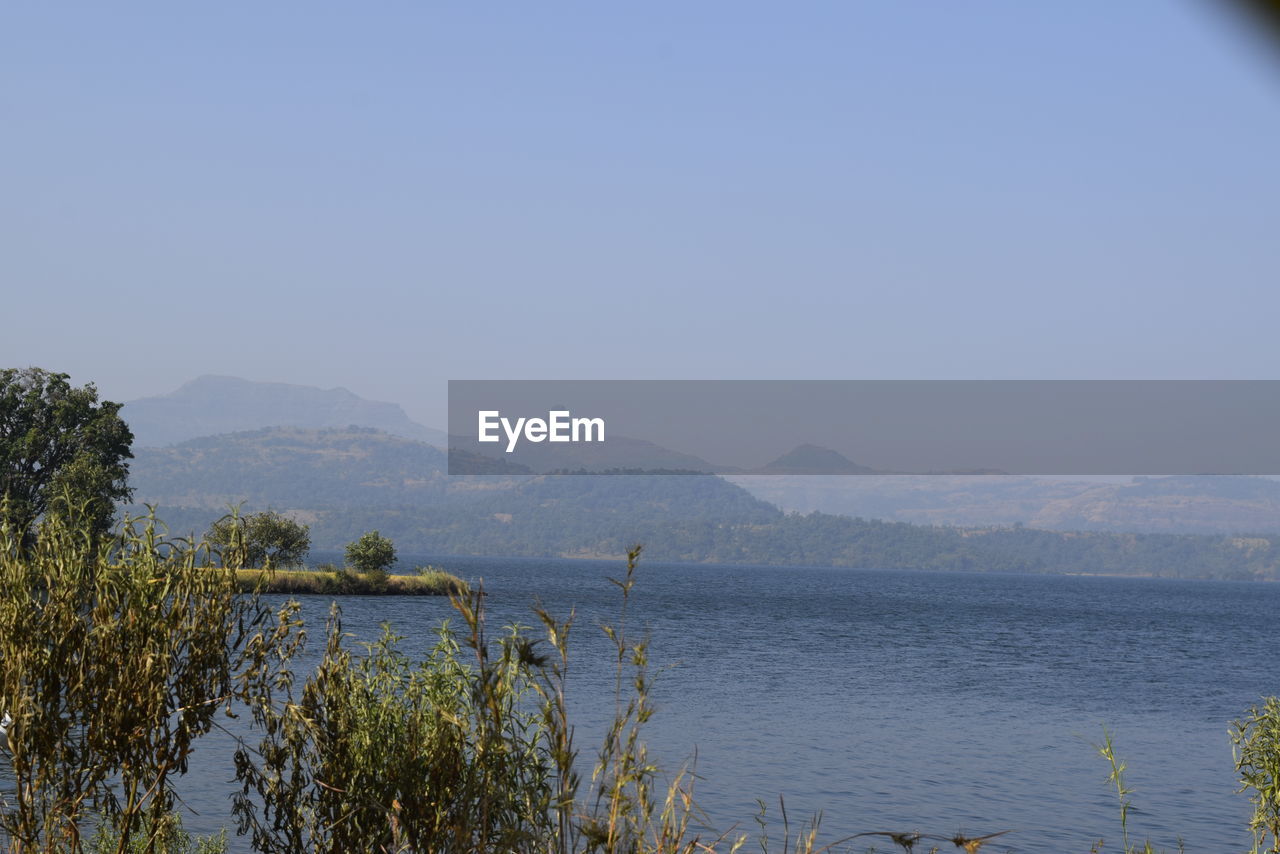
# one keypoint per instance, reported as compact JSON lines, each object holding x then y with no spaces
{"x":117,"y":653}
{"x":1255,"y":741}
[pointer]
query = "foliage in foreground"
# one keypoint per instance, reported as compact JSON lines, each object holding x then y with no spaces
{"x":168,"y":838}
{"x":116,"y":655}
{"x":1256,"y":743}
{"x":469,"y":750}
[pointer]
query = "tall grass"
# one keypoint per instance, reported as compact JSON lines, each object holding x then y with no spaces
{"x":472,"y":749}
{"x":469,"y":750}
{"x":337,"y":581}
{"x":1255,"y":741}
{"x":116,"y":656}
{"x":1116,"y":778}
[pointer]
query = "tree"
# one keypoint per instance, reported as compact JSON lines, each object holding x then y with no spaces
{"x":263,"y":536}
{"x":371,"y":553}
{"x":59,"y":445}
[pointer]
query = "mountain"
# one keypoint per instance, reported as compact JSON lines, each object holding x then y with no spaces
{"x":1202,"y":504}
{"x":619,"y":453}
{"x":346,"y":482}
{"x":811,"y":459}
{"x":212,"y":405}
{"x":919,"y":499}
{"x":677,"y":517}
{"x":290,"y":446}
{"x":289,"y":467}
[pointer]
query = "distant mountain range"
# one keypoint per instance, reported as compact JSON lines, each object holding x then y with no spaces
{"x":626,"y":453}
{"x":213,"y":405}
{"x":329,"y":463}
{"x":345,"y":482}
{"x":618,"y":453}
{"x":1201,"y":504}
{"x":289,"y":467}
{"x":637,"y":455}
{"x":810,"y":459}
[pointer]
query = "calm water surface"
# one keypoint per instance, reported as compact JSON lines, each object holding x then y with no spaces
{"x":903,"y":700}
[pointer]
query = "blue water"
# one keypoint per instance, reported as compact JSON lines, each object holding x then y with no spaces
{"x":898,"y":701}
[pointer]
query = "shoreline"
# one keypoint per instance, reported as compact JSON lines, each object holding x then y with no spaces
{"x":348,"y":583}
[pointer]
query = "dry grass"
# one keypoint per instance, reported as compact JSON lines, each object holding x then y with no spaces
{"x":345,"y":582}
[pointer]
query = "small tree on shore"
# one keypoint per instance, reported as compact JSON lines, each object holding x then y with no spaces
{"x":262,"y":536}
{"x":372,"y":553}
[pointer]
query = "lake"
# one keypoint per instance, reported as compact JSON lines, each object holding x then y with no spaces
{"x":899,"y":701}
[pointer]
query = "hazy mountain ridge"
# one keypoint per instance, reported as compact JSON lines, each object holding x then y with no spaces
{"x":213,"y":405}
{"x":618,"y":453}
{"x":289,"y":467}
{"x":1184,"y":504}
{"x":627,"y":453}
{"x":809,"y":459}
{"x":346,"y":482}
{"x":1199,"y":504}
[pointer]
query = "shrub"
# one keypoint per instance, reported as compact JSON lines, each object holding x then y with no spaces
{"x":385,"y":754}
{"x":168,"y":838}
{"x":115,"y":656}
{"x":469,"y":750}
{"x":262,"y":539}
{"x":1256,"y":745}
{"x":372,"y":553}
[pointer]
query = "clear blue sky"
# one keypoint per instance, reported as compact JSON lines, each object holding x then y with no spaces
{"x":384,"y":196}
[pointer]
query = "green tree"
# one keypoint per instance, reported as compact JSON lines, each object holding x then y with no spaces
{"x":371,"y":553}
{"x":58,"y":445}
{"x":263,"y":536}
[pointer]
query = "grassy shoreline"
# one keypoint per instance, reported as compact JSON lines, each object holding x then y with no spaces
{"x":347,"y":583}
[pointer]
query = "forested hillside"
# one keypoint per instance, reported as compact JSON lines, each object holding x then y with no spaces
{"x":1195,"y":504}
{"x":346,"y":482}
{"x":293,"y":468}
